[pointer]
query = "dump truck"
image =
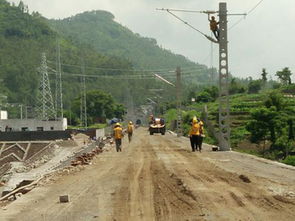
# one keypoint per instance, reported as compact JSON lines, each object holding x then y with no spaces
{"x":157,"y":125}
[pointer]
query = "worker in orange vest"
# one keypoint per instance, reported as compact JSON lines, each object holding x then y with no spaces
{"x":118,"y":136}
{"x":214,"y":26}
{"x":194,"y":134}
{"x":201,"y":135}
{"x":130,"y":129}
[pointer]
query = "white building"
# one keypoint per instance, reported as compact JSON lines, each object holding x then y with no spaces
{"x":33,"y":125}
{"x":3,"y":115}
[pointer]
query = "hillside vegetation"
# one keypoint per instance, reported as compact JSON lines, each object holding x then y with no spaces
{"x":94,"y":39}
{"x":262,"y":116}
{"x":98,"y":29}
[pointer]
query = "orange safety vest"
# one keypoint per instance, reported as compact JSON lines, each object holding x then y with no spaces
{"x":213,"y":25}
{"x":195,"y":129}
{"x":201,"y":127}
{"x":130,"y":128}
{"x":118,"y":133}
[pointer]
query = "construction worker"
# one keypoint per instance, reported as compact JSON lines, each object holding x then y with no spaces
{"x":214,"y":26}
{"x":130,"y":129}
{"x":118,"y":135}
{"x":201,"y":135}
{"x":152,"y":119}
{"x":194,"y":134}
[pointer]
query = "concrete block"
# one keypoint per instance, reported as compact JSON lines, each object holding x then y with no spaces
{"x":64,"y":199}
{"x":215,"y":148}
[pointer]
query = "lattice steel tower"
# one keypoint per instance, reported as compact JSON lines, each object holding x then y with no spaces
{"x":45,"y":107}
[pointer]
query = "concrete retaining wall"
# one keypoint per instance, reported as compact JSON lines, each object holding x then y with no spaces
{"x":35,"y":135}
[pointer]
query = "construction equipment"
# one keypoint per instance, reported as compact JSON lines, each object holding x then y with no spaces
{"x":157,"y":126}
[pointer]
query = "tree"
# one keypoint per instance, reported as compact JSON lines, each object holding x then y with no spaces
{"x":205,"y":97}
{"x":235,"y":87}
{"x":254,"y":86}
{"x":263,"y":125}
{"x":99,"y":105}
{"x":264,"y":76}
{"x":21,"y":6}
{"x":284,"y":75}
{"x":213,"y":91}
{"x":275,"y":100}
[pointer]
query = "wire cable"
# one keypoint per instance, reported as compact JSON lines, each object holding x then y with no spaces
{"x":185,"y":22}
{"x":170,"y":70}
{"x":249,"y":12}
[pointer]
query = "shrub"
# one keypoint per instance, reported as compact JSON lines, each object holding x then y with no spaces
{"x":290,"y":160}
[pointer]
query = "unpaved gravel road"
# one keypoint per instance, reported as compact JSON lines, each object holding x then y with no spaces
{"x":159,"y":178}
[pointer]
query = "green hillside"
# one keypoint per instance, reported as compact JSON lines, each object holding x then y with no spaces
{"x":262,"y":123}
{"x":98,"y":29}
{"x":24,"y":36}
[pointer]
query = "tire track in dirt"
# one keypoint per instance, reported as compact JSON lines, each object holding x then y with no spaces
{"x":136,"y":190}
{"x":238,"y":186}
{"x":155,"y":178}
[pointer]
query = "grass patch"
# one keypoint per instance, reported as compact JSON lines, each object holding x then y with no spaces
{"x":290,"y":160}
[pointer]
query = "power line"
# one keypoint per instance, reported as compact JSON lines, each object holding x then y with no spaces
{"x":185,"y":22}
{"x":185,"y":10}
{"x":250,"y":11}
{"x":127,"y":70}
{"x":247,"y":14}
{"x":124,"y":77}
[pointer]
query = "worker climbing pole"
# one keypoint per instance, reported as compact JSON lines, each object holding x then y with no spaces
{"x":219,"y":30}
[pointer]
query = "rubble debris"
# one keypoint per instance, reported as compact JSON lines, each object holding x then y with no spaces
{"x":245,"y":178}
{"x":64,"y":199}
{"x":21,"y":189}
{"x":86,"y":158}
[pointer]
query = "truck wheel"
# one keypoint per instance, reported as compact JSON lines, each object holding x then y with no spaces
{"x":163,"y":133}
{"x":151,"y":133}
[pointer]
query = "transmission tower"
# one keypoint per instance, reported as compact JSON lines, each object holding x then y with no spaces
{"x":83,"y":101}
{"x":45,"y":107}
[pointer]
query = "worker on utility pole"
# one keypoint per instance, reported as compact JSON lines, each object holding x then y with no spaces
{"x":214,"y":26}
{"x":130,"y":129}
{"x":118,"y":136}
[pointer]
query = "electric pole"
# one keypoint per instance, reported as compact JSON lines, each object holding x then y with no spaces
{"x":224,"y":107}
{"x":178,"y":97}
{"x":83,"y":105}
{"x":224,"y":110}
{"x":59,"y":93}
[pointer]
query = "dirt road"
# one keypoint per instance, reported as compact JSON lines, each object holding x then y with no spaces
{"x":159,"y":178}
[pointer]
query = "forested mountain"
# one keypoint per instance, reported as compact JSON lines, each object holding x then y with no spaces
{"x":98,"y":29}
{"x":109,"y":52}
{"x":23,"y":37}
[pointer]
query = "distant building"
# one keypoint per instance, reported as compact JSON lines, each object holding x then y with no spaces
{"x":3,"y":115}
{"x":32,"y":125}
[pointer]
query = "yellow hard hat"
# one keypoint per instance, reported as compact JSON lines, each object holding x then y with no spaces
{"x":195,"y":119}
{"x":118,"y":124}
{"x":130,"y":122}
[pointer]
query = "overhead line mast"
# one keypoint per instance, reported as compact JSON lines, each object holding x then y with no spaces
{"x":224,"y":110}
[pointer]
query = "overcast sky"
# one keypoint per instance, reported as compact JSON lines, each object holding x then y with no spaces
{"x":265,"y":39}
